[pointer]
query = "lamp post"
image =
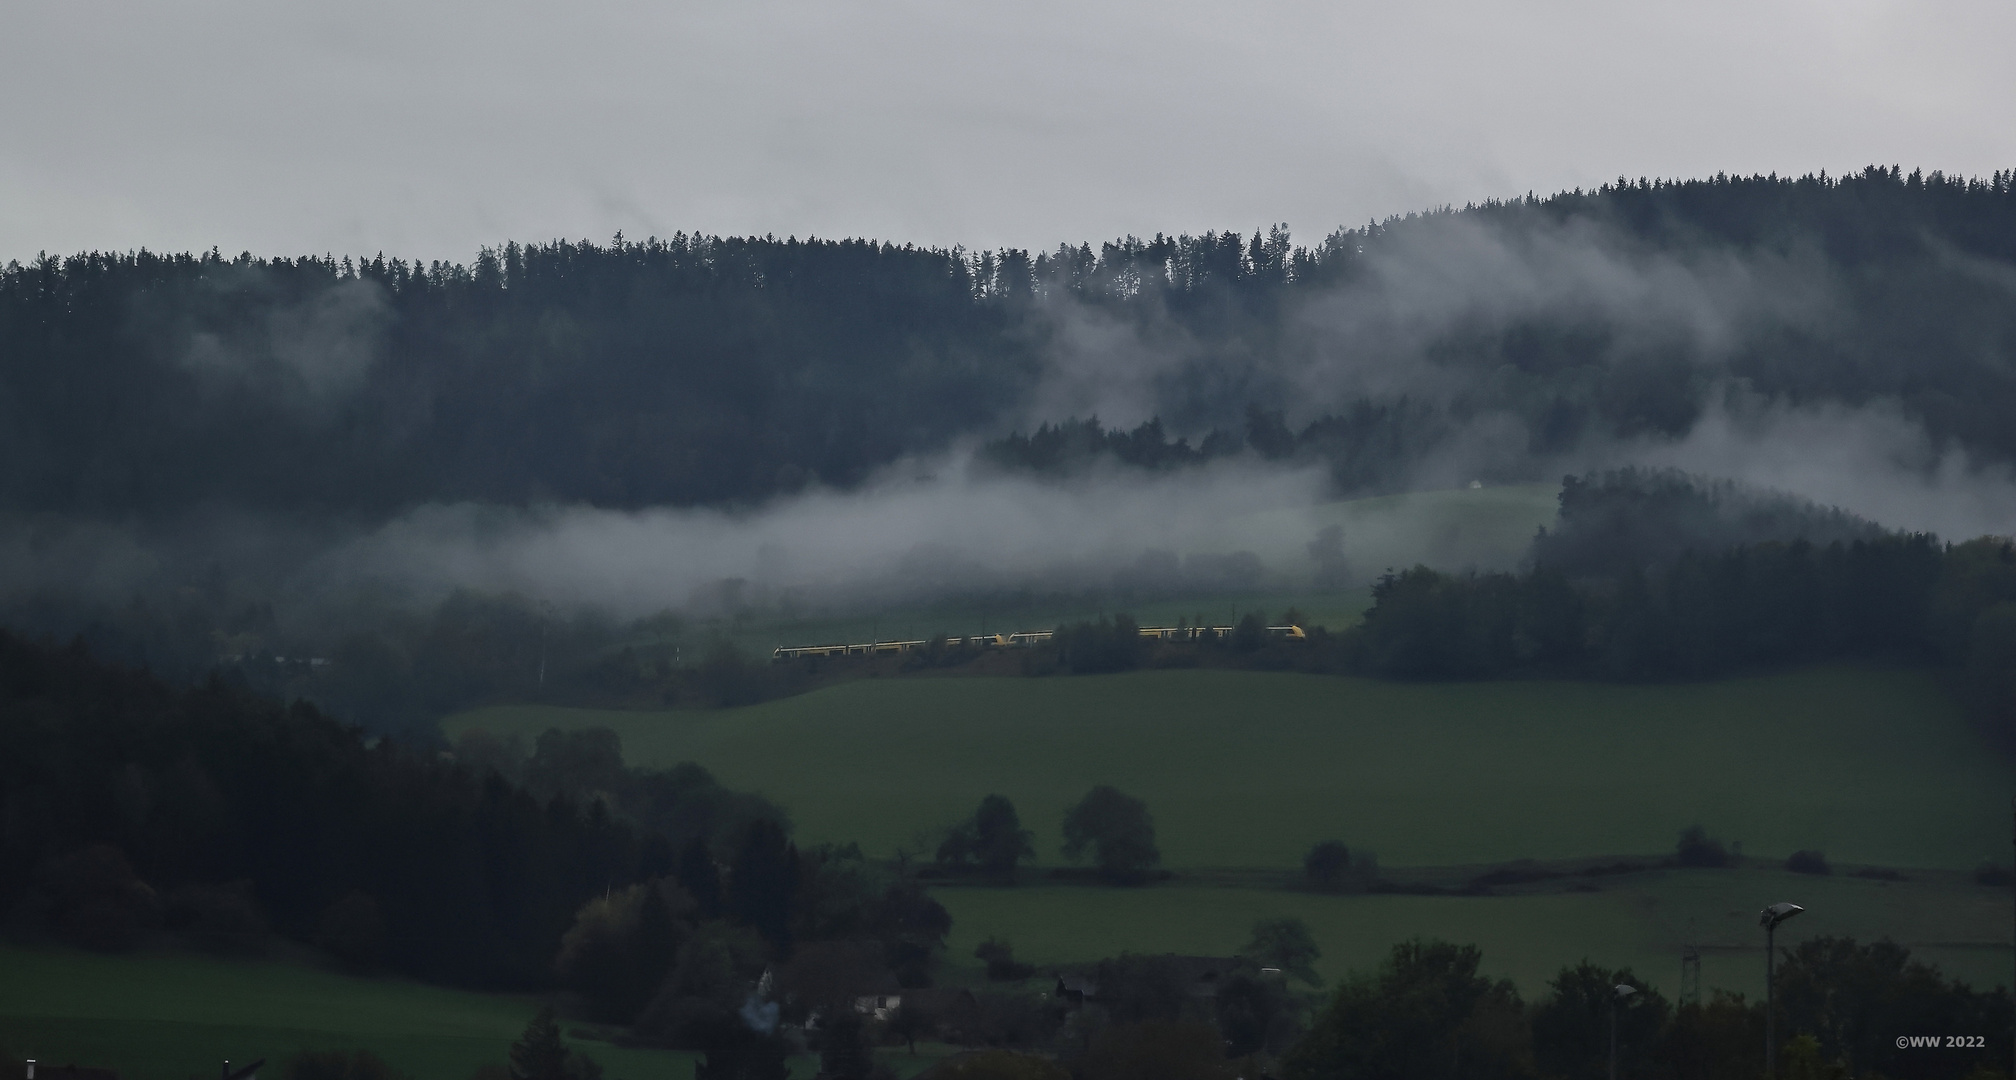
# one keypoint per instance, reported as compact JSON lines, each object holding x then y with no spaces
{"x":1769,"y":919}
{"x":1617,"y":995}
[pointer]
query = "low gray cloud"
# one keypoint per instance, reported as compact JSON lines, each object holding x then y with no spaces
{"x":1873,"y":461}
{"x":911,"y":534}
{"x":927,"y":530}
{"x":1388,"y":333}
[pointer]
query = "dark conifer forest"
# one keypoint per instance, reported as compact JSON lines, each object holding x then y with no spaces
{"x":188,"y":442}
{"x":128,"y":803}
{"x":710,"y":370}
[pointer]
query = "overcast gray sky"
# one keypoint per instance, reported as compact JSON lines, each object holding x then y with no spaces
{"x":427,"y":128}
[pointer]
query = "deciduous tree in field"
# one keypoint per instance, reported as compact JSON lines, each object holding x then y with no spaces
{"x":1118,"y":829}
{"x":1326,"y":864}
{"x":991,"y":842}
{"x":1286,"y":943}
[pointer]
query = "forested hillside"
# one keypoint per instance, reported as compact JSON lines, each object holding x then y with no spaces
{"x":400,"y":490}
{"x":699,"y":370}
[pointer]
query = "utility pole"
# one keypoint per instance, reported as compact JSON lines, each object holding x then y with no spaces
{"x":1690,"y":975}
{"x":1770,"y":1001}
{"x":1770,"y":917}
{"x":1617,"y":995}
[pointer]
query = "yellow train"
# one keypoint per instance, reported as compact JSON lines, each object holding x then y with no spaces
{"x":1017,"y":641}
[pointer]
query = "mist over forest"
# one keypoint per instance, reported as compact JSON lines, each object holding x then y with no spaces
{"x":394,"y":619}
{"x":204,"y":458}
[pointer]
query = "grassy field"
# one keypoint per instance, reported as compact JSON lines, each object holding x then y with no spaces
{"x":1245,"y":769}
{"x":167,"y":1016}
{"x":1242,"y":770}
{"x":1641,"y":921}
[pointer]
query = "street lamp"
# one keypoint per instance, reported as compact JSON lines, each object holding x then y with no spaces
{"x":1618,"y":994}
{"x":1769,"y":919}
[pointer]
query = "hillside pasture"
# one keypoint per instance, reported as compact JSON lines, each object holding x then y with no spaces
{"x":1246,"y":769}
{"x":173,"y":1015}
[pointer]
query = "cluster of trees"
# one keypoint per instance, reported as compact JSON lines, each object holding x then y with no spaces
{"x":1428,"y":1011}
{"x":703,"y":369}
{"x":1649,"y":576}
{"x":694,"y":369}
{"x":1116,"y":829}
{"x":1331,"y":866}
{"x":990,"y":843}
{"x":1425,"y":1012}
{"x":1114,"y":643}
{"x":1074,"y":445}
{"x":540,"y":1053}
{"x":129,"y":808}
{"x":1368,"y":446}
{"x":1617,"y":520}
{"x":116,"y":791}
{"x":1904,"y":597}
{"x":1110,"y":827}
{"x":396,"y":670}
{"x":678,"y":957}
{"x":682,"y":805}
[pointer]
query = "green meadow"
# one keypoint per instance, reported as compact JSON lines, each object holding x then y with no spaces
{"x":1245,"y":769}
{"x":171,"y":1015}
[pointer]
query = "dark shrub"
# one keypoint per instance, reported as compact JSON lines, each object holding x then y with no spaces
{"x":1001,"y":963}
{"x":218,"y":918}
{"x":1090,"y":648}
{"x":1808,"y":862}
{"x":1696,"y":848}
{"x":542,"y":1054}
{"x":340,"y":1065}
{"x":1327,"y":864}
{"x":844,"y":1050}
{"x":1572,"y":1024}
{"x":92,"y":897}
{"x":1158,"y":1050}
{"x":1000,"y":1065}
{"x":731,"y":1051}
{"x":352,"y":930}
